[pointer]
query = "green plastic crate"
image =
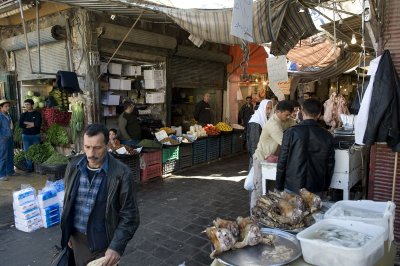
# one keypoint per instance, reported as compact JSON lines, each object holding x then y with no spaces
{"x":170,"y":153}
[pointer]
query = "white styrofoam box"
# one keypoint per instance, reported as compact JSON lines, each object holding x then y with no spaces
{"x":115,"y":69}
{"x":109,"y":111}
{"x":144,"y":112}
{"x":26,"y":206}
{"x":153,"y":84}
{"x":319,"y":252}
{"x":115,"y":84}
{"x":28,"y":222}
{"x":110,"y":99}
{"x":24,"y":195}
{"x":155,"y":97}
{"x":126,"y":84}
{"x":367,"y":211}
{"x":268,"y":170}
{"x":153,"y":74}
{"x":29,"y":228}
{"x":28,"y":214}
{"x":131,"y":70}
{"x":47,"y":198}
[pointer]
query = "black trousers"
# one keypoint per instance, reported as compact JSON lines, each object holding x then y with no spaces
{"x":82,"y":253}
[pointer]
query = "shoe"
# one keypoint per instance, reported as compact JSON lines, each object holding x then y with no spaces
{"x":4,"y":178}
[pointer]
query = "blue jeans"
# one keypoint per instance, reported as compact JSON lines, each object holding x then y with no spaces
{"x":6,"y":156}
{"x":132,"y":142}
{"x":27,"y":141}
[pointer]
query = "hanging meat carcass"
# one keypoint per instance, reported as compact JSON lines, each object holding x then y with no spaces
{"x":333,"y":108}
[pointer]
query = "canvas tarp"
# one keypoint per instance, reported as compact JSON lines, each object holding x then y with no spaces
{"x":278,"y":22}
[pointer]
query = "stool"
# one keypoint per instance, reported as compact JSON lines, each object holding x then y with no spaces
{"x":268,"y":172}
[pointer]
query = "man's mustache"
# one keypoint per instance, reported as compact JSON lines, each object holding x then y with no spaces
{"x":93,"y":158}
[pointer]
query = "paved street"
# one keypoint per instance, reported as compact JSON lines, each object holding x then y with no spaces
{"x":174,"y":211}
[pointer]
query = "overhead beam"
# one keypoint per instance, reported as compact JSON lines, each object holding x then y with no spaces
{"x":45,"y":9}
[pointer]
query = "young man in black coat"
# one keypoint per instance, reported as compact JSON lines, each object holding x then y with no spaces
{"x":307,"y":156}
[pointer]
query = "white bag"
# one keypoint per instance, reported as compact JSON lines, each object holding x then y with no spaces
{"x":249,"y":182}
{"x":239,"y":95}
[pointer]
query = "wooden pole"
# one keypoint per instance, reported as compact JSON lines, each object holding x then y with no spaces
{"x":394,"y":175}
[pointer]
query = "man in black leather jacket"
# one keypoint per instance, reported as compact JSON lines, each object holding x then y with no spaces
{"x":307,"y":156}
{"x":100,"y":211}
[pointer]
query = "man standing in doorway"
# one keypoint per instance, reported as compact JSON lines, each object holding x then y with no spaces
{"x":128,"y":125}
{"x":307,"y":156}
{"x":6,"y":141}
{"x":246,"y":111}
{"x":100,"y":211}
{"x":202,"y":111}
{"x":30,"y":122}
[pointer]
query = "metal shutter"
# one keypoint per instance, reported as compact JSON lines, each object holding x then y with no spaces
{"x":53,"y":58}
{"x":381,"y":180}
{"x":192,"y":73}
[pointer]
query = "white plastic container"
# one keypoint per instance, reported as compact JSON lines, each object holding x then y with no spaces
{"x":153,"y":74}
{"x":367,"y":211}
{"x":115,"y":84}
{"x":150,"y":84}
{"x":157,"y":97}
{"x":319,"y":252}
{"x":115,"y":69}
{"x":126,"y":84}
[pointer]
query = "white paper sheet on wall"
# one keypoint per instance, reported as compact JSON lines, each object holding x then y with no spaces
{"x":277,"y":69}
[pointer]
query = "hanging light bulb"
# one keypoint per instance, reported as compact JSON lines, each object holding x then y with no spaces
{"x":112,"y":16}
{"x":353,"y":39}
{"x":264,"y":83}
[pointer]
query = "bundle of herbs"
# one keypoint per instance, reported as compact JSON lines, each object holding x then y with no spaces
{"x":57,"y":135}
{"x":39,"y":153}
{"x":55,"y":159}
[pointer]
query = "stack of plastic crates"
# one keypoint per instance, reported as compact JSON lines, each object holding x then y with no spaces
{"x":150,"y":165}
{"x":237,"y":141}
{"x":133,"y":162}
{"x":199,"y":151}
{"x":225,"y":144}
{"x":212,"y":148}
{"x":186,"y":155}
{"x":170,"y":159}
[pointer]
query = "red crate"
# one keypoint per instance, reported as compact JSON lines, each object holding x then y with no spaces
{"x":150,"y":157}
{"x":150,"y":172}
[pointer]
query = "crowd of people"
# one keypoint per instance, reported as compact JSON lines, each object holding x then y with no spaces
{"x":290,"y":135}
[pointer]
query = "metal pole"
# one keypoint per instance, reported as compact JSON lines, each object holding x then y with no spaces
{"x":396,"y":156}
{"x":26,"y":36}
{"x":38,"y":36}
{"x":69,"y":53}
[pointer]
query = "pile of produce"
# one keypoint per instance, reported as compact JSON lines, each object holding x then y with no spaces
{"x":170,"y":141}
{"x":60,"y":98}
{"x":242,"y":232}
{"x":197,"y":131}
{"x":148,"y":143}
{"x":223,"y":127}
{"x":168,"y":130}
{"x":39,"y":153}
{"x":287,"y":211}
{"x":57,"y":135}
{"x":77,"y":118}
{"x":17,"y":135}
{"x":56,"y":158}
{"x":52,"y":116}
{"x":38,"y":100}
{"x":211,"y":130}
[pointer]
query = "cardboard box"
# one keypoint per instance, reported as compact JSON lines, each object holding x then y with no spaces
{"x":126,"y":84}
{"x":109,"y":111}
{"x":153,"y":84}
{"x":104,"y":85}
{"x":153,"y":74}
{"x":115,"y":84}
{"x":156,"y":97}
{"x":131,"y":70}
{"x":115,"y":69}
{"x":110,"y":99}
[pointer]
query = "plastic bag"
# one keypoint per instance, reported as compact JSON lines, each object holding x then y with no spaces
{"x":249,"y":182}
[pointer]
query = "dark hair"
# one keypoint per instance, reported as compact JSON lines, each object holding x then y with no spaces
{"x":312,"y":107}
{"x":127,"y":104}
{"x":248,"y":97}
{"x":95,"y":129}
{"x":114,"y":130}
{"x":30,"y":101}
{"x":275,"y":98}
{"x":285,"y":105}
{"x":295,"y":103}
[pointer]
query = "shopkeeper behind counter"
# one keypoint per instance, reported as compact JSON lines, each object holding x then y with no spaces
{"x":128,"y":124}
{"x":202,"y":112}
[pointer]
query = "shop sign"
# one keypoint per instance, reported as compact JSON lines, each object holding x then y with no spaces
{"x":277,"y":69}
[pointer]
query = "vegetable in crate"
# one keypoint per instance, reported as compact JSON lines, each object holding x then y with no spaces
{"x":56,"y":158}
{"x":57,"y":135}
{"x":17,"y":135}
{"x":38,"y":153}
{"x":211,"y":130}
{"x":223,"y":127}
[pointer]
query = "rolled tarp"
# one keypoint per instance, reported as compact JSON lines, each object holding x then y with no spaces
{"x":47,"y":35}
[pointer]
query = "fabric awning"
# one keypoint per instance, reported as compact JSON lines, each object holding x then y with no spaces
{"x":282,"y":25}
{"x":320,"y":53}
{"x":333,"y":70}
{"x":257,"y":62}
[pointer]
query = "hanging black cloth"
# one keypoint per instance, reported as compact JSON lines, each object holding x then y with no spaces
{"x":67,"y":81}
{"x":384,"y":112}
